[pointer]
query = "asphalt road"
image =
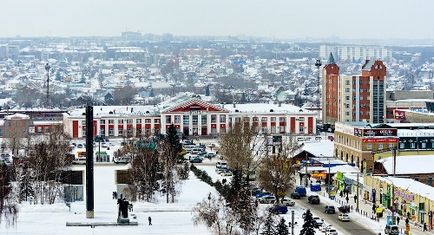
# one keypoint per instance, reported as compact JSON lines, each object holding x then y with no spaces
{"x":349,"y":228}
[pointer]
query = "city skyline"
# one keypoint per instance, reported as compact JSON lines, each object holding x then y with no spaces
{"x":276,"y":19}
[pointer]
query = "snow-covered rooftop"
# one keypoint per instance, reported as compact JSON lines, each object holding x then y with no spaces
{"x":265,"y":108}
{"x":117,"y":110}
{"x":323,"y":147}
{"x":415,"y":133}
{"x":17,"y":116}
{"x":418,"y":164}
{"x":411,"y":185}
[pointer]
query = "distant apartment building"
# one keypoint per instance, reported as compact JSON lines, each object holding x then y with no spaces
{"x":355,"y":53}
{"x":354,"y":98}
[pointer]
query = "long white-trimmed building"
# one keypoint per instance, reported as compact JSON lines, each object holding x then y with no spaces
{"x":192,"y":117}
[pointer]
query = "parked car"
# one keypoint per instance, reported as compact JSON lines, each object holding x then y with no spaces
{"x":344,"y":209}
{"x":324,"y":227}
{"x":295,"y":195}
{"x":344,"y":217}
{"x":330,"y":210}
{"x":287,"y":202}
{"x":391,"y":229}
{"x":269,"y":199}
{"x":313,"y":199}
{"x":318,"y":222}
{"x":278,"y":209}
{"x":123,"y":159}
{"x":225,"y":172}
{"x":196,"y":160}
{"x":263,"y":194}
{"x":332,"y":232}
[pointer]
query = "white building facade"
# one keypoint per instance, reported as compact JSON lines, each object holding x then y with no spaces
{"x":193,"y":117}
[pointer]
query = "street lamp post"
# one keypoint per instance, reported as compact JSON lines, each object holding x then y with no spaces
{"x":47,"y":69}
{"x":328,"y":181}
{"x":318,"y":65}
{"x":357,"y":193}
{"x":393,"y":187}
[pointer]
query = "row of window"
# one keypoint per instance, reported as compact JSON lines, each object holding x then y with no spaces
{"x":194,"y":118}
{"x":122,"y":121}
{"x":204,"y":119}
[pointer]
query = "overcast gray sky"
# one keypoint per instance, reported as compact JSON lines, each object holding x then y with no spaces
{"x":271,"y":18}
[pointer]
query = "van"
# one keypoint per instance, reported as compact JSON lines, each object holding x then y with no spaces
{"x":301,"y":190}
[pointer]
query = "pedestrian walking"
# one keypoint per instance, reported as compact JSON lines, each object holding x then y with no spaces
{"x":347,"y":199}
{"x":341,"y":194}
{"x":424,"y":227}
{"x":355,"y":198}
{"x":150,"y":220}
{"x":373,"y":208}
{"x":397,"y":220}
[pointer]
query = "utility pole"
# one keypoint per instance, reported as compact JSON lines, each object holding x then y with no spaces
{"x":292,"y":222}
{"x":318,"y":65}
{"x":393,"y":186}
{"x":357,"y":194}
{"x":47,"y":69}
{"x":328,"y":181}
{"x":305,"y":171}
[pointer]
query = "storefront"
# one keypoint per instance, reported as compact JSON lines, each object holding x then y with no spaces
{"x":412,"y":198}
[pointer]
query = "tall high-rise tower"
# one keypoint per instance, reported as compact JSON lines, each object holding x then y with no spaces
{"x":330,"y":87}
{"x":354,"y":98}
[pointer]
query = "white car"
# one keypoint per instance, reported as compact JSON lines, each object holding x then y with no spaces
{"x":323,"y":227}
{"x":332,"y":232}
{"x":344,"y":217}
{"x":287,"y":202}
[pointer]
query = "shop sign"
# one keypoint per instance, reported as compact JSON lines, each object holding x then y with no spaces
{"x":375,"y":132}
{"x":405,"y":195}
{"x":380,"y":140}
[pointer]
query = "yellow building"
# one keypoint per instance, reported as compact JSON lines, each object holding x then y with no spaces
{"x":412,"y":198}
{"x":358,"y":142}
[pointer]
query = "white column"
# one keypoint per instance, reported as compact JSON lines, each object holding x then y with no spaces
{"x":190,"y":125}
{"x":217,"y":123}
{"x":208,"y":123}
{"x":199,"y":124}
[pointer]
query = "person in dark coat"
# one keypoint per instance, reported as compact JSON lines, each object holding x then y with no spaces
{"x":424,"y":227}
{"x":150,"y":220}
{"x":397,"y":220}
{"x":355,"y":198}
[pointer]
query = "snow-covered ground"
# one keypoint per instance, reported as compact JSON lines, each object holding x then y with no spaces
{"x":166,"y":218}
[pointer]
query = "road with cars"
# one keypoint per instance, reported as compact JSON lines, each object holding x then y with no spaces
{"x":349,"y":228}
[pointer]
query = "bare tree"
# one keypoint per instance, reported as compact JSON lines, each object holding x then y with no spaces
{"x":170,"y":154}
{"x":48,"y":161}
{"x":276,"y":172}
{"x":240,"y":148}
{"x":143,"y":173}
{"x":8,"y":205}
{"x":214,"y":213}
